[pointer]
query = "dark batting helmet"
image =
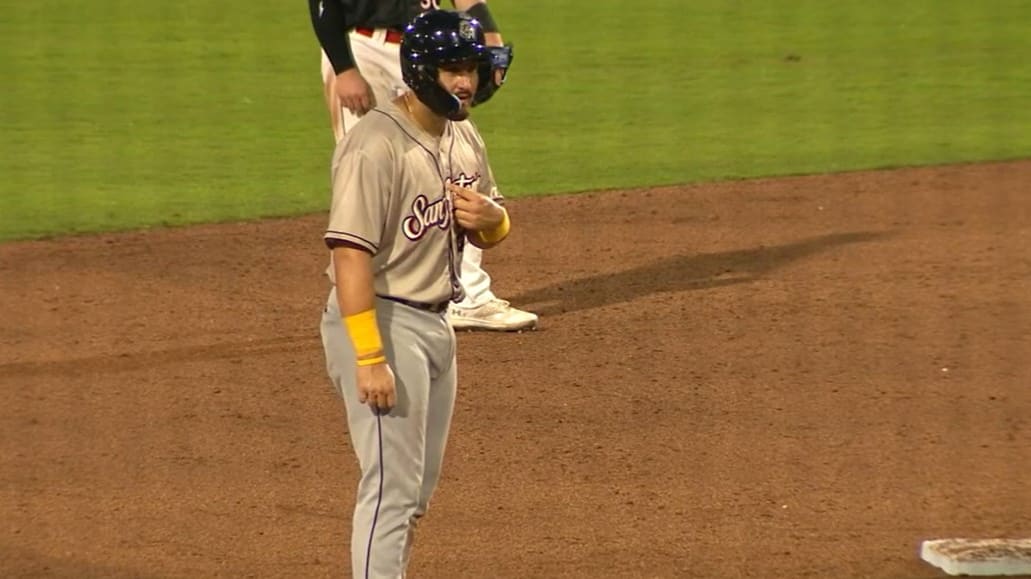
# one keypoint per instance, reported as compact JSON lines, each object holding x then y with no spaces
{"x":441,"y":37}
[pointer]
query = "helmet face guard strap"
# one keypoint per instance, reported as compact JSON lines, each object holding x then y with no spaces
{"x":433,"y":95}
{"x":438,"y":38}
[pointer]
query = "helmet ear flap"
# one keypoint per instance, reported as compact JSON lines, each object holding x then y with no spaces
{"x":498,"y":58}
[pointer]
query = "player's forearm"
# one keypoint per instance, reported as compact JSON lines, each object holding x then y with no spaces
{"x":353,"y":273}
{"x":330,"y":24}
{"x":352,"y":268}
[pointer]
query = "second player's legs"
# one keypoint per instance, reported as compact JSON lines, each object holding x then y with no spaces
{"x":332,"y":101}
{"x":475,"y":280}
{"x":481,"y":309}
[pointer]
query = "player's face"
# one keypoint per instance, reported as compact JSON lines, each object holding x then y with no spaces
{"x":461,"y":80}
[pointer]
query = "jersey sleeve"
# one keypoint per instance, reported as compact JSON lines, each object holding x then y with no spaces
{"x":361,"y":190}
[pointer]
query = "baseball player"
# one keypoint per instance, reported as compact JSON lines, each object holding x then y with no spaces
{"x":360,"y":42}
{"x":412,"y":188}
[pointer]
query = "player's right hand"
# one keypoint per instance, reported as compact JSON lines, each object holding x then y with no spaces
{"x":474,"y":211}
{"x":376,"y":387}
{"x":354,"y":92}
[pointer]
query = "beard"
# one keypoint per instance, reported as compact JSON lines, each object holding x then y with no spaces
{"x":460,"y":115}
{"x":463,"y":108}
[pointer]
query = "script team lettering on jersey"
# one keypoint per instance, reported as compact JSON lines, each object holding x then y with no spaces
{"x":426,"y":215}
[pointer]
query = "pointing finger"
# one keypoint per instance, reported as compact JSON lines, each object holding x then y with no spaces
{"x":462,"y":203}
{"x":461,"y":191}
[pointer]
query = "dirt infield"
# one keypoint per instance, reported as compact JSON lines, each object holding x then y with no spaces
{"x":780,"y":378}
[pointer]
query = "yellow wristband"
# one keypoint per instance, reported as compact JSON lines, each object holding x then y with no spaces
{"x":498,"y":233}
{"x":368,"y":347}
{"x":371,"y":361}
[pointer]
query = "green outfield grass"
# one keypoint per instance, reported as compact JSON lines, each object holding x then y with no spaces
{"x":120,"y":114}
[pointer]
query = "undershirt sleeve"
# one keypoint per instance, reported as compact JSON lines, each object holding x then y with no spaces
{"x":329,"y":20}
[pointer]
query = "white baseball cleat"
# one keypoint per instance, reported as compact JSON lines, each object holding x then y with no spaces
{"x":497,"y":315}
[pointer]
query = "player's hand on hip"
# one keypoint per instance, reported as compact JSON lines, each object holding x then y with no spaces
{"x":475,"y":211}
{"x":354,"y":92}
{"x":376,"y":386}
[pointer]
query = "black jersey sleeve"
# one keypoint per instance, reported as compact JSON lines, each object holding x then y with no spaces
{"x":329,"y":19}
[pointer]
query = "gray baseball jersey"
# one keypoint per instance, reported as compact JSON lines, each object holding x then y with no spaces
{"x":389,"y":198}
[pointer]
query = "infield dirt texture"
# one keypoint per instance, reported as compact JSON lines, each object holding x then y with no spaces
{"x":781,"y":378}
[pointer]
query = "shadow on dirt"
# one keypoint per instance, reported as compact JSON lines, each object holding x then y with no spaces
{"x":680,"y":273}
{"x":677,"y":273}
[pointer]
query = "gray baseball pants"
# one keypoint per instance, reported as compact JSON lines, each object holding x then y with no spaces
{"x":400,"y":453}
